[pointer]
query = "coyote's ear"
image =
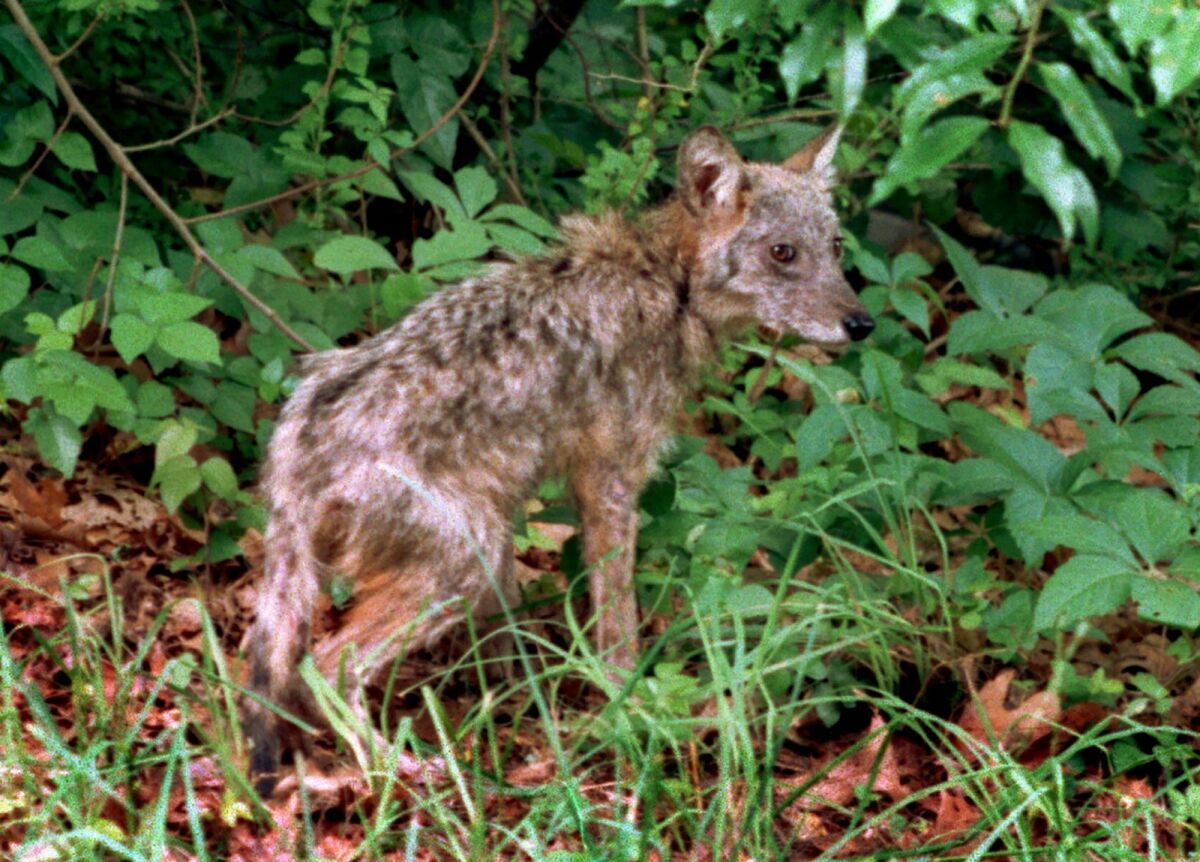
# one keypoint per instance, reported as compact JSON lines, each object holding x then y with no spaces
{"x":817,"y":155}
{"x":710,"y":170}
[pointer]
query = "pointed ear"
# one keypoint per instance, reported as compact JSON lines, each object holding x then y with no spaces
{"x":710,"y":170}
{"x":817,"y":155}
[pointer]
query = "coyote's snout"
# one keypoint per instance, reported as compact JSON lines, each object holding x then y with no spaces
{"x":400,"y":462}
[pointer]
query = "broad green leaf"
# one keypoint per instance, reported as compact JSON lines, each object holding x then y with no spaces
{"x":476,"y":189}
{"x":175,"y":439}
{"x":430,"y":188}
{"x":24,"y":59}
{"x":222,"y":154}
{"x":957,"y":73}
{"x":41,"y":253}
{"x":219,"y":478}
{"x":189,"y":341}
{"x":1081,"y":113}
{"x":377,"y":182}
{"x":267,"y":259}
{"x":1107,"y":314}
{"x":423,"y":98}
{"x":969,"y":273}
{"x":171,"y":307}
{"x":177,"y":479}
{"x":853,"y":77}
{"x":74,"y":151}
{"x":1084,"y":586}
{"x":234,"y":406}
{"x":961,"y":12}
{"x":1118,"y":387}
{"x":927,"y":153}
{"x":131,"y":336}
{"x":911,"y":306}
{"x":514,"y":239}
{"x":465,"y":242}
{"x":723,"y":17}
{"x":20,"y":379}
{"x":821,"y":429}
{"x":877,"y":13}
{"x":349,"y":254}
{"x":1175,"y":56}
{"x":522,"y":217}
{"x":1156,"y":525}
{"x":804,"y":58}
{"x":76,"y":317}
{"x":154,"y":400}
{"x":401,"y":291}
{"x":1086,"y":535}
{"x":939,"y":376}
{"x":14,"y":286}
{"x":1104,"y":60}
{"x":1164,"y":354}
{"x":1065,"y":188}
{"x":1167,"y":601}
{"x":1139,"y":21}
{"x":1031,"y":457}
{"x":58,"y":439}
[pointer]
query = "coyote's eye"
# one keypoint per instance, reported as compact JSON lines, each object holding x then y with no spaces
{"x":783,"y":253}
{"x":837,"y":246}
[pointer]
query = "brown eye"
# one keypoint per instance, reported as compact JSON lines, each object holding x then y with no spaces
{"x":837,"y":246}
{"x":783,"y":253}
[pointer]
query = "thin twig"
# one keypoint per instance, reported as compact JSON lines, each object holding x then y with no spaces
{"x":193,"y":129}
{"x":130,"y":170}
{"x":114,"y":259}
{"x":505,"y":107}
{"x":643,"y":51}
{"x":493,"y":159}
{"x":371,"y":165}
{"x":198,"y":75}
{"x":37,"y":163}
{"x":338,"y":55}
{"x":1026,"y":55}
{"x":83,"y":37}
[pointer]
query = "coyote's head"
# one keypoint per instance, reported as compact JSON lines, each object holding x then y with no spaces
{"x":769,"y":245}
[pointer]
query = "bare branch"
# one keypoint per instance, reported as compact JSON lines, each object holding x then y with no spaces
{"x":37,"y":163}
{"x":114,"y":259}
{"x":83,"y":37}
{"x":130,"y":170}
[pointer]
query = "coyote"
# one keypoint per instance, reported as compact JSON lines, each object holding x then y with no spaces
{"x":400,"y":462}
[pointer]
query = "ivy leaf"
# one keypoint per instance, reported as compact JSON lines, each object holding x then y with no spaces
{"x":130,"y":336}
{"x":349,"y":254}
{"x":74,"y":151}
{"x":58,"y":439}
{"x":1081,"y":114}
{"x":1084,"y":586}
{"x":927,"y":153}
{"x":190,"y":341}
{"x":1065,"y":187}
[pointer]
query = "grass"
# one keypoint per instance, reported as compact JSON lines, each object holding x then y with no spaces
{"x":790,"y":723}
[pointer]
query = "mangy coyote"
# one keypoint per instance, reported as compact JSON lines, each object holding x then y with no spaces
{"x":400,"y":461}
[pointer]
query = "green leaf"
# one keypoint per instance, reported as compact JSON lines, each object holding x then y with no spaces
{"x":267,"y":259}
{"x":853,"y":77}
{"x":938,"y":377}
{"x":423,"y":98}
{"x":957,"y":72}
{"x":234,"y":406}
{"x":1164,"y":354}
{"x":177,"y":479}
{"x":20,"y":379}
{"x":522,"y":217}
{"x":1086,"y":535}
{"x":222,"y":154}
{"x":1104,"y":60}
{"x":74,"y":151}
{"x":1032,"y":458}
{"x":349,"y":254}
{"x":154,"y":400}
{"x":1175,"y":57}
{"x":723,"y":17}
{"x":219,"y":478}
{"x":912,"y":307}
{"x":1117,"y":385}
{"x":170,"y":307}
{"x":877,"y":13}
{"x":76,"y":317}
{"x":1065,"y":187}
{"x":16,"y":49}
{"x":1084,"y":586}
{"x":189,"y":341}
{"x":805,"y":57}
{"x":465,"y":242}
{"x":1139,"y":21}
{"x":1156,"y":525}
{"x":58,"y":439}
{"x":14,"y":286}
{"x":961,"y":12}
{"x":175,"y":439}
{"x":429,"y":188}
{"x":39,"y":252}
{"x":130,"y":336}
{"x":476,"y":189}
{"x":927,"y":153}
{"x":1081,"y":113}
{"x":1166,"y":600}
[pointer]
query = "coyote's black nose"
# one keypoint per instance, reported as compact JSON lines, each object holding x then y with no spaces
{"x":858,"y":326}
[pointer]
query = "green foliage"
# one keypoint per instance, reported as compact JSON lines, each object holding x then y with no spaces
{"x":320,"y":169}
